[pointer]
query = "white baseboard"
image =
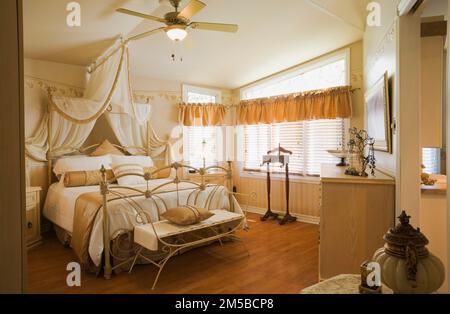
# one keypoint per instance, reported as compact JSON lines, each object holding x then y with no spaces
{"x":302,"y":218}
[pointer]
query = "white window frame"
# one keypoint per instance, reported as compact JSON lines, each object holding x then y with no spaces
{"x":306,"y":67}
{"x":276,"y":78}
{"x":201,"y":90}
{"x":220,"y":134}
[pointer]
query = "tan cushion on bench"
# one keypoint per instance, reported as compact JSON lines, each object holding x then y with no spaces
{"x":186,"y":215}
{"x":145,"y":236}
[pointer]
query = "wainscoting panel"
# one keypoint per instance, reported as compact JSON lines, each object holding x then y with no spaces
{"x":304,"y":196}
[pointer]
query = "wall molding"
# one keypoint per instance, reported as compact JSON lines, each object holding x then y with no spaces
{"x":387,"y":38}
{"x":173,"y":96}
{"x":74,"y":91}
{"x":55,"y":87}
{"x":301,"y":218}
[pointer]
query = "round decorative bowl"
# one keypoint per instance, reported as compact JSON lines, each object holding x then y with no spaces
{"x":342,"y":154}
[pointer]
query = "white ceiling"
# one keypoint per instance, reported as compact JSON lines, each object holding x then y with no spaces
{"x":436,"y":8}
{"x":273,"y":35}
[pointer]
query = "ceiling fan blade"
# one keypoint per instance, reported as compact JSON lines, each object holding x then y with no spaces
{"x":142,"y":15}
{"x":218,"y":27}
{"x":192,"y":9}
{"x":146,"y":34}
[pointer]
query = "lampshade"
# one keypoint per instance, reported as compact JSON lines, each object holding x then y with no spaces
{"x":176,"y":33}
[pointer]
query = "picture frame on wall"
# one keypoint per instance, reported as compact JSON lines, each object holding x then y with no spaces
{"x":378,"y":114}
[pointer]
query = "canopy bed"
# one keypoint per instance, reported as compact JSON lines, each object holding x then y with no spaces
{"x":101,"y":218}
{"x":69,"y":121}
{"x":97,"y":212}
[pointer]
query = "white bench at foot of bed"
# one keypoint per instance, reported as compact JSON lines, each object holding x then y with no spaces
{"x":151,"y":236}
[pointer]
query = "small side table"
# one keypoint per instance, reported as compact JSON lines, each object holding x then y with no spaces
{"x":33,"y":216}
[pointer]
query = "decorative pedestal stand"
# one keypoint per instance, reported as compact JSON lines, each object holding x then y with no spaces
{"x":284,"y":161}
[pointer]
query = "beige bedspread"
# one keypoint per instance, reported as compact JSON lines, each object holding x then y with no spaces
{"x":86,"y":209}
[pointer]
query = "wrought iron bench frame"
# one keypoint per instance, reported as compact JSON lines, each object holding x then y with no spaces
{"x":169,"y":249}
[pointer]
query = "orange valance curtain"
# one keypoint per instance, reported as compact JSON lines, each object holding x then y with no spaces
{"x":201,"y":114}
{"x":330,"y":103}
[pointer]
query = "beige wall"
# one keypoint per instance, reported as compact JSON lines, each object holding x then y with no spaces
{"x":433,"y":224}
{"x":164,"y":97}
{"x":357,"y":82}
{"x":39,"y":77}
{"x":305,"y":196}
{"x":380,"y":55}
{"x":395,"y":47}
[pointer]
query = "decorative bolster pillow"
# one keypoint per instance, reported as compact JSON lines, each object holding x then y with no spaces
{"x":187,"y":215}
{"x":85,"y":178}
{"x":163,"y":174}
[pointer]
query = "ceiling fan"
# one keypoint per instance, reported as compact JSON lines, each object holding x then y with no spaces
{"x":177,"y":22}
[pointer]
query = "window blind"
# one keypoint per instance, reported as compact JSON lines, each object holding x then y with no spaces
{"x":201,"y":147}
{"x":431,"y":160}
{"x":308,"y":140}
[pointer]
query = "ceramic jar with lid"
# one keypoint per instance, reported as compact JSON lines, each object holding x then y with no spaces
{"x":406,"y":264}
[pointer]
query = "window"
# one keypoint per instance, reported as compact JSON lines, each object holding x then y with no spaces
{"x":431,"y":160}
{"x":308,"y":140}
{"x":202,"y":145}
{"x":331,"y":72}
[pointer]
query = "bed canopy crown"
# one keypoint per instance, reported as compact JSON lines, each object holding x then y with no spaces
{"x":69,"y":121}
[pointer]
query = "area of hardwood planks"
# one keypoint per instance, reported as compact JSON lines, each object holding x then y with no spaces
{"x":280,"y":259}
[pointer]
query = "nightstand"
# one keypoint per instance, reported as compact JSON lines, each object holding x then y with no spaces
{"x":33,"y":220}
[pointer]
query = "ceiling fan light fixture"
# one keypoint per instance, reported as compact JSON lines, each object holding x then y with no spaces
{"x":176,"y":32}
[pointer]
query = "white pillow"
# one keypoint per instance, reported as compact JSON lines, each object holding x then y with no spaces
{"x":77,"y":163}
{"x":135,"y":168}
{"x":144,"y":161}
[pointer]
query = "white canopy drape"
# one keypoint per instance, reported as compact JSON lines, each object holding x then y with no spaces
{"x":136,"y":135}
{"x":109,"y":92}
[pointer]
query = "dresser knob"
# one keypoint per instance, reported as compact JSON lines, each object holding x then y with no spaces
{"x":30,"y":225}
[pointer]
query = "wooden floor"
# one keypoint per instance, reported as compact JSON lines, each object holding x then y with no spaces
{"x":282,"y":259}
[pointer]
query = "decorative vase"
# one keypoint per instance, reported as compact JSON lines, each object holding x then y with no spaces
{"x":406,"y":264}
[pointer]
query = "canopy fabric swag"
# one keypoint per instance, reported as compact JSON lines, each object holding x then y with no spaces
{"x":330,"y":103}
{"x":201,"y":114}
{"x":69,"y":121}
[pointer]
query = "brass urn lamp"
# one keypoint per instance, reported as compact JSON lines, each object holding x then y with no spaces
{"x":406,"y":264}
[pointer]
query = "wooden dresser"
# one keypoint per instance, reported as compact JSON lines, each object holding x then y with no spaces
{"x":355,"y":214}
{"x":33,"y":220}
